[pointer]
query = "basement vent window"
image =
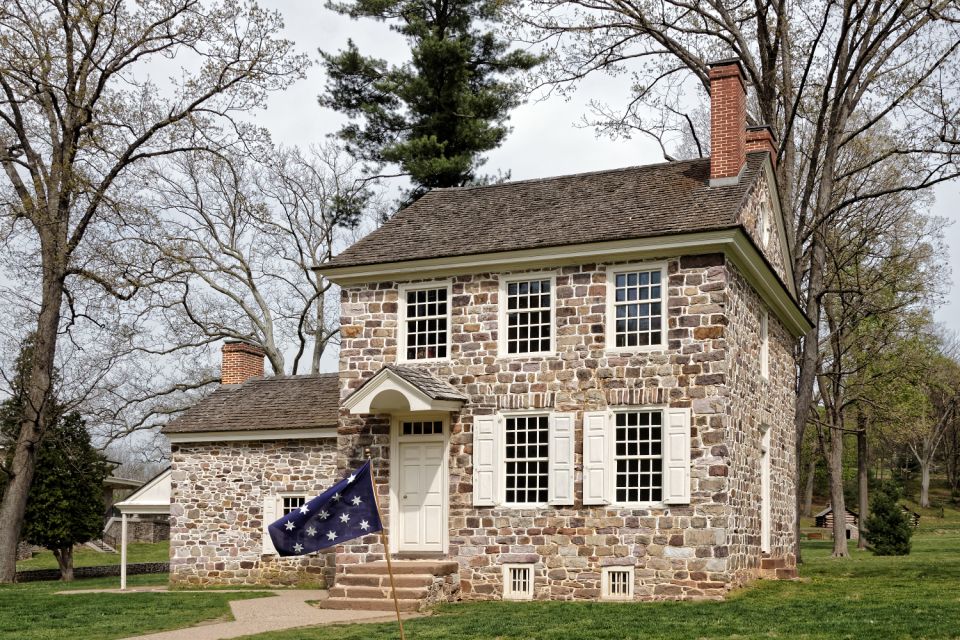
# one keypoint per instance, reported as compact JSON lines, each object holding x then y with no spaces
{"x":518,"y":582}
{"x":617,"y":583}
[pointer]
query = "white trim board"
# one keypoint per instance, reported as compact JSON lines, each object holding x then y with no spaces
{"x":252,"y":434}
{"x":733,"y":242}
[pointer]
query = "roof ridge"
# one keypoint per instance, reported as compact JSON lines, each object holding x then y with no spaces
{"x":633,"y":167}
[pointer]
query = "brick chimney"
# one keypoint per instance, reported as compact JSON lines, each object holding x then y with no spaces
{"x":241,"y":361}
{"x":728,"y":122}
{"x":761,"y":138}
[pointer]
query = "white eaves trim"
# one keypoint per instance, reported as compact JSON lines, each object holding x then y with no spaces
{"x":252,"y":434}
{"x":733,"y":242}
{"x":151,"y":498}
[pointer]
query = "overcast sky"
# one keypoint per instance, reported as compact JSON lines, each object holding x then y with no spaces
{"x":545,"y":140}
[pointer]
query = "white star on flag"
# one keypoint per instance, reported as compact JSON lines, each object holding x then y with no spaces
{"x":324,"y":514}
{"x":336,"y":497}
{"x":351,"y":478}
{"x":311,"y":531}
{"x":298,"y":547}
{"x":344,"y":518}
{"x":332,"y":535}
{"x":289,"y":526}
{"x":364,"y":525}
{"x":304,"y":509}
{"x":356,"y":501}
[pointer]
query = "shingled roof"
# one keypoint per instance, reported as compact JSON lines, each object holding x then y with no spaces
{"x":635,"y":202}
{"x":283,"y":402}
{"x":426,"y":382}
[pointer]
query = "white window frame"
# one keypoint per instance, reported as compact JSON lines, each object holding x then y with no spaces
{"x":765,"y":345}
{"x":502,"y":451}
{"x":508,"y":592}
{"x":766,"y":511}
{"x":611,"y":306}
{"x":284,"y":495}
{"x":402,"y":291}
{"x":605,"y":582}
{"x":612,"y":457}
{"x":502,"y":312}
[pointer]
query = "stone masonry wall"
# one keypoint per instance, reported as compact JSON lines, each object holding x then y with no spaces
{"x":757,"y":404}
{"x":759,"y":202}
{"x":678,"y":551}
{"x":216,"y":515}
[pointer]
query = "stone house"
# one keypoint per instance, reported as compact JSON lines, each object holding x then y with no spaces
{"x":577,"y":387}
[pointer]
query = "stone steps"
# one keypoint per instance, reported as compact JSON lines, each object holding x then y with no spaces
{"x":367,"y":586}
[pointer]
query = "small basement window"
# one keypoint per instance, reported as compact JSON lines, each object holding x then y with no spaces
{"x":617,"y":583}
{"x":518,"y":582}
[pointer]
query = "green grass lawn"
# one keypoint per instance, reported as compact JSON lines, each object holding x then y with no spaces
{"x":86,"y":557}
{"x":33,"y":611}
{"x":865,"y":597}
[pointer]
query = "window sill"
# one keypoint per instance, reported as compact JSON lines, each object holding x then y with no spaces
{"x":619,"y":351}
{"x":540,"y":355}
{"x":424,"y":361}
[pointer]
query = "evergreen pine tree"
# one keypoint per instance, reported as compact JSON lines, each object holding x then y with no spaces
{"x":888,"y":529}
{"x":435,"y":115}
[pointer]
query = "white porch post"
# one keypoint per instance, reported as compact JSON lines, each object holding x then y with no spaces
{"x":123,"y":551}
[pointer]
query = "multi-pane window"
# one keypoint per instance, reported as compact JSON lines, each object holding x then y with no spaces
{"x":426,"y":324}
{"x":292,"y":503}
{"x":617,"y":583}
{"x":518,"y":582}
{"x":527,"y":459}
{"x":638,"y":456}
{"x":424,"y":428}
{"x":638,"y":308}
{"x":528,"y":316}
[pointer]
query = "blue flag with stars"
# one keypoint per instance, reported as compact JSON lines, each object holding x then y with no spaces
{"x":345,"y":511}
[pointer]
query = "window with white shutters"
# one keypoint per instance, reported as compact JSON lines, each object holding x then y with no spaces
{"x":638,"y":456}
{"x":526,"y":459}
{"x":291,"y":504}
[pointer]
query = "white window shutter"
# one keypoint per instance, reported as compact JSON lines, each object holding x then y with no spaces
{"x":484,"y":461}
{"x":561,"y":459}
{"x":676,"y":441}
{"x":597,"y":462}
{"x":270,"y":515}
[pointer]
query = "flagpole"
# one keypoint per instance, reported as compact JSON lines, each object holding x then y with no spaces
{"x":386,"y":548}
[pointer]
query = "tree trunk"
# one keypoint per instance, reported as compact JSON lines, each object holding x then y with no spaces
{"x":33,"y":423}
{"x":835,"y":462}
{"x":863,"y":487}
{"x":925,"y":482}
{"x":807,"y":509}
{"x":64,"y":558}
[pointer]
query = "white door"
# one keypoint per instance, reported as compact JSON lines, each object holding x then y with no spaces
{"x":420,"y":496}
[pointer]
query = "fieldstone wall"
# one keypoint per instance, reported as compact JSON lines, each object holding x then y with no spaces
{"x":757,"y":405}
{"x":216,"y":515}
{"x":100,"y":571}
{"x":678,"y":551}
{"x":760,"y":202}
{"x":146,"y":529}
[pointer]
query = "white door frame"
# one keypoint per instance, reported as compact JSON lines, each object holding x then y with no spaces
{"x":765,"y":492}
{"x":395,"y":440}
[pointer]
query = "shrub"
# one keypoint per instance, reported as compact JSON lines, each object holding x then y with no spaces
{"x":888,"y":529}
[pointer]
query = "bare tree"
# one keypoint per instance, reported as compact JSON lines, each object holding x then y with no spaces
{"x":243,"y":235}
{"x":823,"y":74}
{"x":79,"y":115}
